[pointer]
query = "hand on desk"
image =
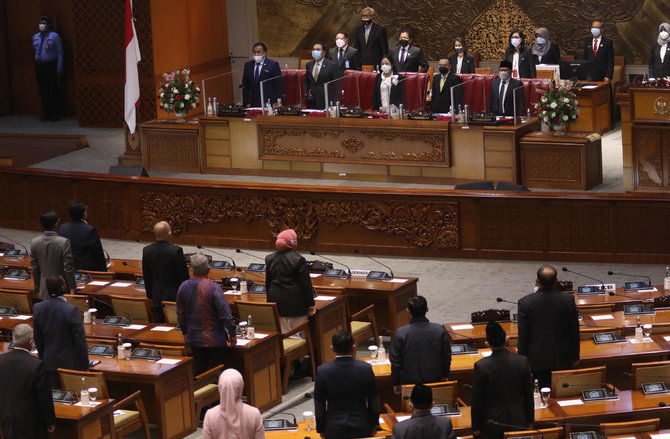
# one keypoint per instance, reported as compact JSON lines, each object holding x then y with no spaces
{"x":311,"y":312}
{"x":232,"y":340}
{"x":397,"y":390}
{"x":51,"y":428}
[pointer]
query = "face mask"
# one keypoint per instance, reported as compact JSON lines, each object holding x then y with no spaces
{"x":504,"y":75}
{"x":258,"y":58}
{"x":404,"y":43}
{"x":541,"y":40}
{"x":595,"y":31}
{"x":43,"y":27}
{"x":458,"y":49}
{"x":516,"y":42}
{"x":386,"y":68}
{"x":339,"y":43}
{"x":444,"y":70}
{"x":316,"y":54}
{"x":663,"y":35}
{"x":367,"y":20}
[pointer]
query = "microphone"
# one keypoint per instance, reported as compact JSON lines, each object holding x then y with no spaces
{"x":142,"y":242}
{"x":114,"y":308}
{"x":629,"y":375}
{"x":333,"y":260}
{"x":131,"y":266}
{"x":107,"y":258}
{"x":500,"y":299}
{"x":17,"y":243}
{"x":384,"y":276}
{"x":631,"y":275}
{"x":602,"y":284}
{"x":494,"y":423}
{"x":640,"y":299}
{"x":458,"y":333}
{"x":220,"y":254}
{"x":237,"y":250}
{"x":609,"y":387}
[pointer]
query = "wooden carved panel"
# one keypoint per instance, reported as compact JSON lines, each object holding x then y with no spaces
{"x":270,"y":147}
{"x":44,"y":195}
{"x":643,"y":229}
{"x":165,"y":148}
{"x":511,"y":226}
{"x":11,"y":198}
{"x":107,"y":206}
{"x":430,"y":225}
{"x":648,"y":157}
{"x":552,"y":164}
{"x":584,"y":228}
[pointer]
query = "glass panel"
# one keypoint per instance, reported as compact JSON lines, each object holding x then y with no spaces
{"x":456,"y":95}
{"x":222,"y":88}
{"x":273,"y":91}
{"x":343,"y":90}
{"x":520,"y":107}
{"x":414,"y":91}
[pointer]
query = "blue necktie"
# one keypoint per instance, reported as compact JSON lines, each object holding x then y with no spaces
{"x":41,"y":47}
{"x":257,"y":73}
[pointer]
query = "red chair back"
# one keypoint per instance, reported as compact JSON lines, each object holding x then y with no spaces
{"x":416,"y":86}
{"x":294,"y":80}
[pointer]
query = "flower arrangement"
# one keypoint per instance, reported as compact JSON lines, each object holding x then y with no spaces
{"x":655,"y":82}
{"x":557,"y":106}
{"x":178,"y":94}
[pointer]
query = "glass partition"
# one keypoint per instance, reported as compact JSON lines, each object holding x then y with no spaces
{"x":343,"y":90}
{"x":520,"y":105}
{"x":273,"y":92}
{"x":456,"y":95}
{"x":223,"y":88}
{"x":414,"y":89}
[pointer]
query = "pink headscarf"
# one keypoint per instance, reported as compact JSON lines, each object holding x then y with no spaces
{"x":231,"y":386}
{"x":287,"y":240}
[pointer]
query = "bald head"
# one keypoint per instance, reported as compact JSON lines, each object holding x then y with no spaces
{"x":546,"y":276}
{"x":162,"y":231}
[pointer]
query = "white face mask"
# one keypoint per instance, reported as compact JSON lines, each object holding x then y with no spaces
{"x":386,"y":68}
{"x":663,"y":35}
{"x":516,"y":42}
{"x":504,"y":75}
{"x":595,"y":31}
{"x":258,"y":58}
{"x":43,"y":27}
{"x":339,"y":43}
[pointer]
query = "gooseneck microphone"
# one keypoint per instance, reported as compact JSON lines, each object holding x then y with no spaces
{"x":500,"y":299}
{"x":629,"y":375}
{"x":17,"y":243}
{"x":217,"y":253}
{"x":608,"y":387}
{"x":332,"y":260}
{"x":237,"y":250}
{"x":114,"y":308}
{"x":142,"y":242}
{"x":649,"y":300}
{"x":631,"y":275}
{"x":602,"y":284}
{"x":131,"y":265}
{"x":358,"y":252}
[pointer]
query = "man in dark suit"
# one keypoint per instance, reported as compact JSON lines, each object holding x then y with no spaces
{"x":423,"y":424}
{"x":501,"y":97}
{"x":420,"y":351}
{"x":164,"y":269}
{"x":371,"y":40}
{"x":318,"y":72}
{"x":258,"y":70}
{"x":442,"y":84}
{"x":343,"y":54}
{"x":346,"y":403}
{"x":86,"y":246}
{"x":407,"y":57}
{"x":26,"y":408}
{"x":600,"y":51}
{"x":502,"y":388}
{"x":59,"y":332}
{"x":548,"y":328}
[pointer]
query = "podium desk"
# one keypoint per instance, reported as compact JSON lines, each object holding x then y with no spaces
{"x":595,"y":106}
{"x":84,"y":422}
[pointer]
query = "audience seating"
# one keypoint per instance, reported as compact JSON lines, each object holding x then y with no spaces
{"x":138,"y":309}
{"x":100,"y":275}
{"x":444,"y":392}
{"x":595,"y":309}
{"x":206,"y":388}
{"x":652,"y":372}
{"x":543,"y":433}
{"x":579,"y":379}
{"x":78,"y":300}
{"x":167,"y":350}
{"x":170,"y":313}
{"x":17,"y":299}
{"x":629,"y":427}
{"x":363,"y":324}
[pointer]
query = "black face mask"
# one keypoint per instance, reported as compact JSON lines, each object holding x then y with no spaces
{"x":444,"y":70}
{"x":404,"y":43}
{"x":367,"y":21}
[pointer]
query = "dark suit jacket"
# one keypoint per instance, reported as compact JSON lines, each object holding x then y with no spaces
{"x":424,"y":425}
{"x":413,"y":60}
{"x":288,"y":283}
{"x":350,"y":54}
{"x":549,"y":330}
{"x":59,"y":335}
{"x":329,"y":71}
{"x":494,"y":98}
{"x":251,"y":91}
{"x":468,"y":64}
{"x":371,"y":53}
{"x":26,"y":408}
{"x":420,"y":353}
{"x":526,"y":64}
{"x":164,"y":269}
{"x":502,"y":390}
{"x":397,"y":92}
{"x":86,"y":245}
{"x":553,"y":56}
{"x":658,"y":69}
{"x":603,"y":63}
{"x":441,"y":100}
{"x":346,"y":403}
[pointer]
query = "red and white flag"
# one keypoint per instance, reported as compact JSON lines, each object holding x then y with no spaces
{"x":132,"y":88}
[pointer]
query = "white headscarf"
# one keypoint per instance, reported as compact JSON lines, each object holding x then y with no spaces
{"x":665,"y":26}
{"x":231,"y":386}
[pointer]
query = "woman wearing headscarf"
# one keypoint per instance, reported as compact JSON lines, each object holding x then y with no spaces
{"x":288,"y":283}
{"x":232,"y":419}
{"x":659,"y":59}
{"x":520,"y":56}
{"x":545,"y":51}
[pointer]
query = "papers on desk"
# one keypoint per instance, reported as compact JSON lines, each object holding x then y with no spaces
{"x":242,"y":342}
{"x":396,"y":280}
{"x":163,"y":328}
{"x":661,"y":436}
{"x":98,"y":283}
{"x":121,"y":284}
{"x":232,"y":292}
{"x":603,"y":317}
{"x":135,"y":327}
{"x":647,"y":290}
{"x":326,"y":298}
{"x":90,"y":404}
{"x":315,"y":274}
{"x":119,"y":413}
{"x":260,"y":335}
{"x":644,"y":340}
{"x":21,"y":317}
{"x":569,"y":402}
{"x":167,"y":361}
{"x":666,"y":338}
{"x":378,"y":363}
{"x":485,"y":353}
{"x":461,"y":327}
{"x":589,"y":87}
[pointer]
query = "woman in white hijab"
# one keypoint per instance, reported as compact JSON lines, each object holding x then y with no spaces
{"x":659,"y":58}
{"x":232,"y":419}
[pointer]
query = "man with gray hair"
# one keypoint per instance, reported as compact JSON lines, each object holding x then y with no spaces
{"x":204,"y":317}
{"x":26,"y":408}
{"x":371,"y":40}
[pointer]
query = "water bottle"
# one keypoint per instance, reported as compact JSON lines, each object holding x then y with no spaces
{"x":120,"y":350}
{"x":381,"y":352}
{"x":666,"y":281}
{"x":85,"y":400}
{"x":639,"y":334}
{"x":528,"y":115}
{"x":537,"y":397}
{"x":210,"y":109}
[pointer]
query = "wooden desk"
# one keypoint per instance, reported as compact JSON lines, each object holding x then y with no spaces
{"x":622,"y":298}
{"x":595,"y":106}
{"x":170,"y":146}
{"x":302,"y":433}
{"x":84,"y":422}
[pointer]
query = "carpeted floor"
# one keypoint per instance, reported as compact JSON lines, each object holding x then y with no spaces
{"x":28,"y":149}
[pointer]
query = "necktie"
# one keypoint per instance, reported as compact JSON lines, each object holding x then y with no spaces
{"x":402,"y":56}
{"x":257,"y":72}
{"x":340,"y":56}
{"x":595,"y":47}
{"x":41,"y":46}
{"x":442,"y":81}
{"x":315,"y":71}
{"x":503,"y":87}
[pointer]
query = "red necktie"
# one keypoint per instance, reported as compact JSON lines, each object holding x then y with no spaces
{"x":595,"y":47}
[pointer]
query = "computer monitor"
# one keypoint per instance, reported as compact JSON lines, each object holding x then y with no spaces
{"x":579,"y":69}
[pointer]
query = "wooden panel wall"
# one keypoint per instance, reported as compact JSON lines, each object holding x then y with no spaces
{"x":631,"y":228}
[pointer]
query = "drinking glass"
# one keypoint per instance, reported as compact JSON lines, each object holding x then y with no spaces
{"x":309,"y":420}
{"x":544,"y":394}
{"x":93,"y":312}
{"x":647,"y":330}
{"x":373,"y":351}
{"x":234,"y":282}
{"x":93,"y":393}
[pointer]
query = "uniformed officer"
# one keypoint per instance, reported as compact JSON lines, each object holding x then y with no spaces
{"x":48,"y":49}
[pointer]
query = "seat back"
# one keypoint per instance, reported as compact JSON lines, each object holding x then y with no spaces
{"x":595,"y":309}
{"x":542,"y":433}
{"x":138,"y":309}
{"x":415,"y":87}
{"x":654,"y":372}
{"x":78,"y":300}
{"x":101,"y":275}
{"x":293,"y":86}
{"x":629,"y":427}
{"x":170,"y":313}
{"x":483,"y":70}
{"x":578,"y":380}
{"x":72,"y":379}
{"x":444,"y":392}
{"x":18,"y":299}
{"x":166,"y":350}
{"x":264,"y":315}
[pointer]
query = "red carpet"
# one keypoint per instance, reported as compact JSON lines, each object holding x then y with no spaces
{"x":28,"y":149}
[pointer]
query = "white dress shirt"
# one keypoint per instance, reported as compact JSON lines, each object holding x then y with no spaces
{"x":459,"y":64}
{"x":385,"y":91}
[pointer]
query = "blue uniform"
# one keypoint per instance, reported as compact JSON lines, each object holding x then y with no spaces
{"x":48,"y":47}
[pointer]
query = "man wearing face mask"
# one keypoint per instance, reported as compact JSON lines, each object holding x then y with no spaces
{"x":343,"y":54}
{"x":501,"y":99}
{"x":319,"y":71}
{"x":442,"y":83}
{"x":258,"y":70}
{"x":659,"y":59}
{"x":407,"y":57}
{"x":371,"y":40}
{"x":600,"y":51}
{"x":48,"y":54}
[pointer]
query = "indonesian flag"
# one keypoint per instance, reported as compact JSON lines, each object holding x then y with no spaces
{"x":132,"y":88}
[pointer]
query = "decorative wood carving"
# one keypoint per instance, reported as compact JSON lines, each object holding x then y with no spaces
{"x":167,"y":148}
{"x":436,"y":154}
{"x":648,"y":157}
{"x":557,"y":164}
{"x":430,"y":225}
{"x":353,"y":144}
{"x":269,"y":144}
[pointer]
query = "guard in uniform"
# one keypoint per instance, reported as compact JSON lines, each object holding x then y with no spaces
{"x":48,"y":49}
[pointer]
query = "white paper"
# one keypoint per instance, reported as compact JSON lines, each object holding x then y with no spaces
{"x":397,"y":281}
{"x":589,"y":87}
{"x":569,"y":402}
{"x":647,"y":290}
{"x":98,"y":283}
{"x":314,"y":274}
{"x":603,"y":317}
{"x":163,"y":328}
{"x":260,"y":335}
{"x":378,"y":363}
{"x":485,"y":353}
{"x":242,"y":342}
{"x":326,"y":298}
{"x":461,"y":327}
{"x":403,"y":418}
{"x":135,"y":327}
{"x":666,"y":338}
{"x":167,"y":361}
{"x":90,"y":404}
{"x":119,"y":413}
{"x":661,"y":436}
{"x":121,"y":284}
{"x":644,"y":340}
{"x":232,"y":292}
{"x":21,"y":317}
